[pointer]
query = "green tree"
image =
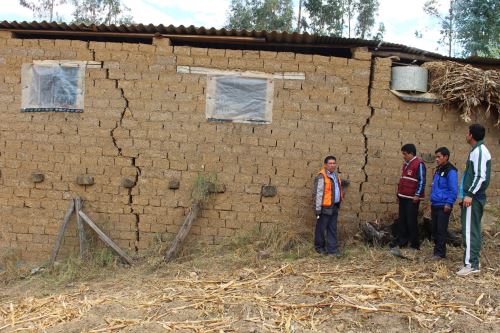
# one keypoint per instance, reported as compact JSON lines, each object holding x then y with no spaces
{"x":472,"y":24}
{"x":261,"y":15}
{"x":101,"y":12}
{"x":336,"y":17}
{"x":43,"y":9}
{"x":477,"y":24}
{"x":446,"y":21}
{"x":366,"y":10}
{"x":241,"y":15}
{"x":324,"y":17}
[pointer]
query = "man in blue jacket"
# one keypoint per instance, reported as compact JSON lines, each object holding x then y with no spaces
{"x":444,"y":192}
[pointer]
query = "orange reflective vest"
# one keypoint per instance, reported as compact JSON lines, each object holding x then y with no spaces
{"x":329,"y":192}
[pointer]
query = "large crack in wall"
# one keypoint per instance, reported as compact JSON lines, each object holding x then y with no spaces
{"x":372,"y":112}
{"x":132,"y":159}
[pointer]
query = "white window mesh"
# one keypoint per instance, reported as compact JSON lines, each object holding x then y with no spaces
{"x":239,"y":99}
{"x":53,"y":86}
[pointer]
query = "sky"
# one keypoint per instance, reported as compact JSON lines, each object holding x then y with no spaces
{"x":400,"y":17}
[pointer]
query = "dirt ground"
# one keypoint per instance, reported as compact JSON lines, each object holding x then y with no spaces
{"x":239,"y":288}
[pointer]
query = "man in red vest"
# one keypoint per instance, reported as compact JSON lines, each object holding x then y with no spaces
{"x":411,"y":189}
{"x":328,"y":194}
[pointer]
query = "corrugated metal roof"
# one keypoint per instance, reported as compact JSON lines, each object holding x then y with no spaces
{"x":298,"y":39}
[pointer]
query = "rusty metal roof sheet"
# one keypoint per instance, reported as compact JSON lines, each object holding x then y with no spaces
{"x":297,"y":39}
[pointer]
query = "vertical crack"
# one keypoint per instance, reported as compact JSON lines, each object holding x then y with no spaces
{"x":131,"y":202}
{"x":372,"y":112}
{"x":119,"y":123}
{"x":91,"y":50}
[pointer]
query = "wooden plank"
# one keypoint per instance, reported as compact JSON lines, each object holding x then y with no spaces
{"x":60,"y":235}
{"x":81,"y":229}
{"x":105,"y":238}
{"x":183,"y":232}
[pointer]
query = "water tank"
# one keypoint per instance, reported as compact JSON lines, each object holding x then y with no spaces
{"x":409,"y":78}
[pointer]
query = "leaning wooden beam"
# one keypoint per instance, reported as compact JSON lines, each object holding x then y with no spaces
{"x":60,"y":235}
{"x":184,"y":230}
{"x":105,"y":238}
{"x":81,"y":229}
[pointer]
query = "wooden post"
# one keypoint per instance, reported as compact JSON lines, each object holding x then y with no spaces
{"x":60,"y":235}
{"x":81,"y":229}
{"x":105,"y":238}
{"x":184,"y":230}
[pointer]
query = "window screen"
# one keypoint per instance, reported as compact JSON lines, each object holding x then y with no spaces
{"x":239,"y":99}
{"x":53,"y":87}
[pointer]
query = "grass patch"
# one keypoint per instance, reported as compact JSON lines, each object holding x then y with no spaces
{"x":12,"y":264}
{"x":246,"y":249}
{"x":72,"y":268}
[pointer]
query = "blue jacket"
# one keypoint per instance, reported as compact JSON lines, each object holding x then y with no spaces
{"x":444,"y":186}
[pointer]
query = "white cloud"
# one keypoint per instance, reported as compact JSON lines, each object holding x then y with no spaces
{"x":11,"y":10}
{"x":207,"y":13}
{"x":403,"y":18}
{"x":146,"y":13}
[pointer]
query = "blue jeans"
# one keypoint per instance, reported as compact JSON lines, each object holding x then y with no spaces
{"x":325,"y":235}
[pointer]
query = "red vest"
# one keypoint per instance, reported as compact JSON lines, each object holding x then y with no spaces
{"x":408,"y":183}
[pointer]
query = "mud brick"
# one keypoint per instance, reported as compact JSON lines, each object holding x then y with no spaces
{"x":361,"y":54}
{"x":253,"y":64}
{"x":249,"y":54}
{"x":216,"y":53}
{"x":184,"y":60}
{"x":162,"y":42}
{"x":221,"y":62}
{"x":202,"y":61}
{"x":384,"y":62}
{"x":234,"y":53}
{"x":236,"y":63}
{"x":5,"y":34}
{"x":318,"y":59}
{"x":146,"y":48}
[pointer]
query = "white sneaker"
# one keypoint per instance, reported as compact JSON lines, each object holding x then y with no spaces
{"x":466,"y":270}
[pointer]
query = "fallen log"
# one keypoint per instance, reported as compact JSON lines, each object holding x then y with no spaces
{"x":380,"y":233}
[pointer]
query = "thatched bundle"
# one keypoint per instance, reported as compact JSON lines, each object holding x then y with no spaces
{"x":465,"y":87}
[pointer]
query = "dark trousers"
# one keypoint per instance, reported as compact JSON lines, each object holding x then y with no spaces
{"x":407,"y":223}
{"x":325,"y":235}
{"x":440,"y":221}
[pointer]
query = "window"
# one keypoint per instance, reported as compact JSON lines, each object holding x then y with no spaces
{"x":239,"y":99}
{"x":53,"y":86}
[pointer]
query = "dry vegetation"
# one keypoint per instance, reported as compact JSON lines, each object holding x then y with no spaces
{"x":263,"y":282}
{"x":465,"y":87}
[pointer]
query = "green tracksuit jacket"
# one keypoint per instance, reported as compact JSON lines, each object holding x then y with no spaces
{"x":475,"y":181}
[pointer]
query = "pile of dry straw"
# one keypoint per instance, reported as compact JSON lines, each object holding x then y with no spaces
{"x":469,"y":89}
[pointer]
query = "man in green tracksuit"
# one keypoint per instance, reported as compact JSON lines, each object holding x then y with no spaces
{"x":475,"y":180}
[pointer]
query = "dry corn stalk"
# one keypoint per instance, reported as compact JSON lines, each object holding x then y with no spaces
{"x":465,"y":87}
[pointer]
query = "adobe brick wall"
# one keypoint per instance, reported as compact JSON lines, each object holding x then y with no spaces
{"x":146,"y":122}
{"x":394,"y":123}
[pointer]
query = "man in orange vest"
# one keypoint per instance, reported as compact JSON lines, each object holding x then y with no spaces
{"x":328,"y":194}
